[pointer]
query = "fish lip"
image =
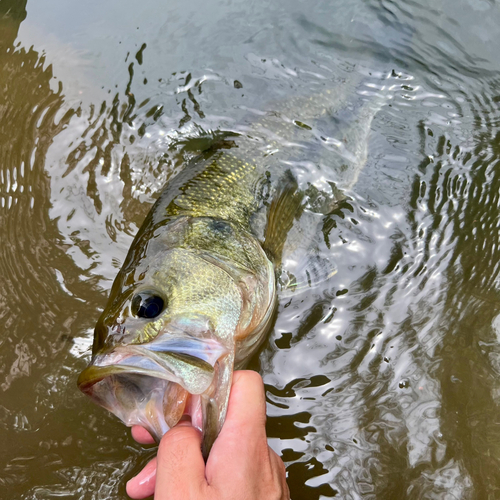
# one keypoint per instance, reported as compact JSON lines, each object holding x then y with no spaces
{"x":166,"y":357}
{"x":94,"y":374}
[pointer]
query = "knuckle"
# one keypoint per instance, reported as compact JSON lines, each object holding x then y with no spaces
{"x":285,"y":490}
{"x":249,"y":376}
{"x":282,"y":467}
{"x":276,"y":493}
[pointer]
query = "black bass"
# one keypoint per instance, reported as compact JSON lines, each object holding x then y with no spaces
{"x":197,"y":292}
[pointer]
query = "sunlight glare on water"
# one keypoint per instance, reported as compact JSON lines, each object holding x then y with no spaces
{"x":383,"y":381}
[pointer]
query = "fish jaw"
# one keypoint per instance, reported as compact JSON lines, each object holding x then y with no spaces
{"x":153,"y":385}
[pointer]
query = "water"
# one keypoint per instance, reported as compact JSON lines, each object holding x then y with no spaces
{"x":381,"y":384}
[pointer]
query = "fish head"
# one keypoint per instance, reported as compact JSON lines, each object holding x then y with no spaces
{"x":166,"y":343}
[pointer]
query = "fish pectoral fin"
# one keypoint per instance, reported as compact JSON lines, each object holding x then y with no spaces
{"x":285,"y":206}
{"x":324,"y":202}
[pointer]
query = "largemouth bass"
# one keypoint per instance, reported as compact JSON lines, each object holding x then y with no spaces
{"x":197,"y":292}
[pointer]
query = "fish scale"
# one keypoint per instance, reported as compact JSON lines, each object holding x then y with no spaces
{"x":225,"y":189}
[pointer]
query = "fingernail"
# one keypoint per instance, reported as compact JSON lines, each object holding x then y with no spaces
{"x":184,"y":421}
{"x":148,"y":477}
{"x":143,"y":484}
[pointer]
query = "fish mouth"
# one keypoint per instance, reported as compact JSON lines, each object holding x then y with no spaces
{"x":153,"y":385}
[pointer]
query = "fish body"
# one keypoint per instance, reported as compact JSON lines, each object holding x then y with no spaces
{"x":194,"y":298}
{"x":197,"y":292}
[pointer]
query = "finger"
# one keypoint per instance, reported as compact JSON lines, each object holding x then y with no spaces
{"x":242,"y":441}
{"x":141,"y":435}
{"x":180,"y":466}
{"x":143,"y":485}
{"x":246,"y":413}
{"x":279,"y":471}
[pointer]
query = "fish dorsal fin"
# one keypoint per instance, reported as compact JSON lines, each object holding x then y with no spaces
{"x":285,"y":206}
{"x":198,"y":141}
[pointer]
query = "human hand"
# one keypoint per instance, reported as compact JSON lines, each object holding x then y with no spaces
{"x":240,"y":466}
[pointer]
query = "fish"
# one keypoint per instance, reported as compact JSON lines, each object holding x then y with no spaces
{"x":198,"y":291}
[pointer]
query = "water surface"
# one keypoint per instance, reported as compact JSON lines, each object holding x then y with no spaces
{"x":384,"y":382}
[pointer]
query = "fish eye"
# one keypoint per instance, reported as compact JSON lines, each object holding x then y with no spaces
{"x":147,"y":305}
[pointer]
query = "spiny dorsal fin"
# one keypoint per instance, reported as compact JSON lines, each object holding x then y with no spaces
{"x":285,"y":206}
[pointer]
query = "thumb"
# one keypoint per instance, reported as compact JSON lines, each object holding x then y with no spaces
{"x":180,"y":473}
{"x":243,"y":436}
{"x":246,"y":413}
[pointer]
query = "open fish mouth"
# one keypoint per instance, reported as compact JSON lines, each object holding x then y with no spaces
{"x":153,"y":385}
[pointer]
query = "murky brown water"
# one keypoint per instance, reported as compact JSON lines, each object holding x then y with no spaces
{"x":382,"y":384}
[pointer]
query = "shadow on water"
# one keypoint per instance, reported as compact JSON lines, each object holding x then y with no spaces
{"x":382,"y":382}
{"x":46,"y":299}
{"x":461,"y":190}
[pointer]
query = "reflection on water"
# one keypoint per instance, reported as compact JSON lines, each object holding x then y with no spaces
{"x":381,"y":383}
